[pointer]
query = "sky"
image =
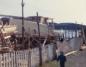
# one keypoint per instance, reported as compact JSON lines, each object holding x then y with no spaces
{"x":60,"y":10}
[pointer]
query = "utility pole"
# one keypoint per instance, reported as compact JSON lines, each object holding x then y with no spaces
{"x":52,"y":23}
{"x":40,"y":48}
{"x":22,"y":4}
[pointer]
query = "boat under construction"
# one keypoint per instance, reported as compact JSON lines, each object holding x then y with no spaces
{"x":37,"y":30}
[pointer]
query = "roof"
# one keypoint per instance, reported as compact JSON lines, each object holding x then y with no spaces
{"x":67,"y":26}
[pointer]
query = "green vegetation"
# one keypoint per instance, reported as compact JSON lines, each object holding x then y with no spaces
{"x":51,"y":64}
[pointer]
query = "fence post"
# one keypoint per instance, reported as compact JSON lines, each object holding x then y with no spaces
{"x":29,"y":58}
{"x":15,"y":60}
{"x":2,"y":61}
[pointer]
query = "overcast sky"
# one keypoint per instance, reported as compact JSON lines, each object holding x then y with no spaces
{"x":60,"y":10}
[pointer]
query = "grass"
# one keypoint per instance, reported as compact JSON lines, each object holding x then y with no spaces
{"x":51,"y":64}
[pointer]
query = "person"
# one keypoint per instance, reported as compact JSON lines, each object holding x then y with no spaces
{"x":62,"y":59}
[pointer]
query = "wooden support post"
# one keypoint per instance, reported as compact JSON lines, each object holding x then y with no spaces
{"x":40,"y":48}
{"x":22,"y":4}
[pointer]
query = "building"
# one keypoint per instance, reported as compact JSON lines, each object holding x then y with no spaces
{"x":68,"y":30}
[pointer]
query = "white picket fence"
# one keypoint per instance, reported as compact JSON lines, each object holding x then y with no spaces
{"x":26,"y":58}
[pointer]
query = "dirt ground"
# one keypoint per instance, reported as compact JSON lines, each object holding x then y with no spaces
{"x":75,"y":60}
